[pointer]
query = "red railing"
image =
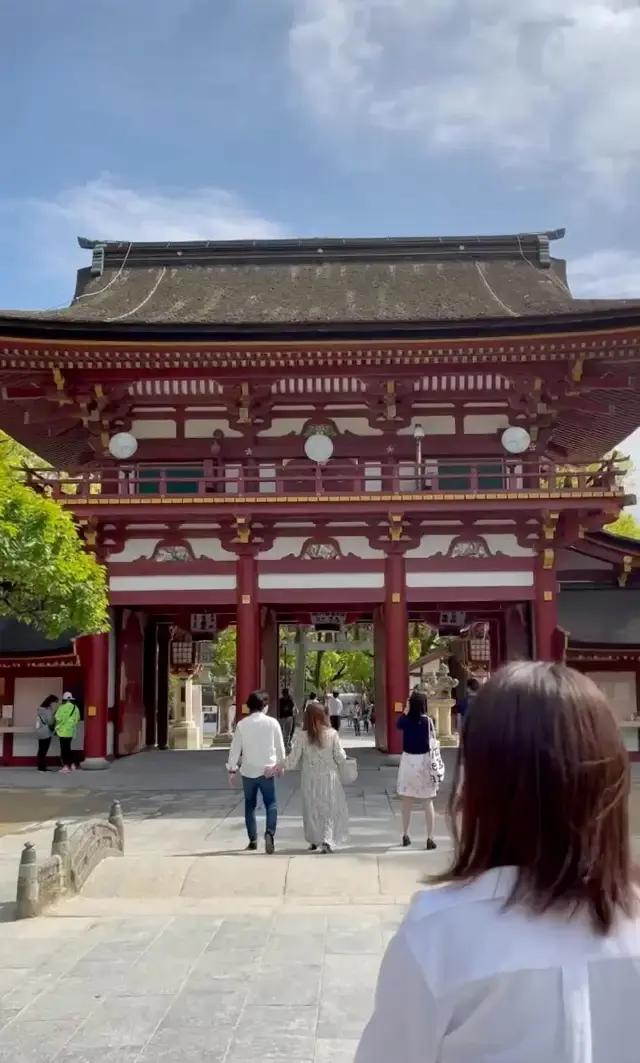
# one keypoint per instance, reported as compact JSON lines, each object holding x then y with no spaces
{"x":337,"y":477}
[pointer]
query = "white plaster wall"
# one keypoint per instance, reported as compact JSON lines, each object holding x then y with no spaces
{"x":359,"y":545}
{"x":26,"y":745}
{"x":470,"y":579}
{"x":284,"y":546}
{"x":506,"y":544}
{"x":28,"y":693}
{"x":284,"y":426}
{"x":484,"y":423}
{"x":172,"y":583}
{"x":149,"y":527}
{"x":433,"y":424}
{"x":291,"y":545}
{"x":430,"y":545}
{"x":212,"y":548}
{"x":204,"y":427}
{"x":357,"y":426}
{"x":198,"y":527}
{"x":282,"y":581}
{"x":154,"y":429}
{"x":134,"y":549}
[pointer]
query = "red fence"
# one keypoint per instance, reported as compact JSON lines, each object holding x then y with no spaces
{"x":337,"y":477}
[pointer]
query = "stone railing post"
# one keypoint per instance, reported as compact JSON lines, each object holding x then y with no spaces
{"x":27,"y":891}
{"x":60,"y":847}
{"x":116,"y":819}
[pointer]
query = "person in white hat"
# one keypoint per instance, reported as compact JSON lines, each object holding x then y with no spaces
{"x":66,"y":720}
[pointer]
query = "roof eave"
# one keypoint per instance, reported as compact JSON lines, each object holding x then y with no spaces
{"x":25,"y":327}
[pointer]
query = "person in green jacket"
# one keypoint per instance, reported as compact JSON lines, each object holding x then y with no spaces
{"x":65,"y":725}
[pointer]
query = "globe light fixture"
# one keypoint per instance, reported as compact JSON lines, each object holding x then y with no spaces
{"x":318,"y":448}
{"x":122,"y":446}
{"x":515,"y":439}
{"x":418,"y":432}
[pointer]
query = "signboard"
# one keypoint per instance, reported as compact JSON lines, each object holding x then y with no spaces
{"x":203,"y":623}
{"x":453,"y":619}
{"x":205,"y":652}
{"x":328,"y":621}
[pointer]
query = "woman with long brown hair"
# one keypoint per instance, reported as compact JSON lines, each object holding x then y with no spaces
{"x":529,"y":950}
{"x":317,"y":751}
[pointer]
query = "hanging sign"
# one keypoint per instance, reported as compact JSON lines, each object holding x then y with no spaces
{"x":203,"y":623}
{"x":453,"y":619}
{"x":328,"y":621}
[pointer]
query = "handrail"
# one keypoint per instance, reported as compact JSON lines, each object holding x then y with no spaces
{"x":449,"y":475}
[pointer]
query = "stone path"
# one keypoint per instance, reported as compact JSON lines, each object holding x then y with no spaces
{"x":188,"y":948}
{"x":285,"y":985}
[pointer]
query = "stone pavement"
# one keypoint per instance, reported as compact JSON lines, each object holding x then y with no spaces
{"x":188,"y":948}
{"x":278,"y":985}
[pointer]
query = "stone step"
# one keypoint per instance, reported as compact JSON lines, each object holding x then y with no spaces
{"x":360,"y":878}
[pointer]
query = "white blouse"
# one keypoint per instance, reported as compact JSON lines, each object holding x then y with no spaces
{"x":466,"y":981}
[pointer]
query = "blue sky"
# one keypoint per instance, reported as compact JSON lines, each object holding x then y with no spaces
{"x":152,"y":119}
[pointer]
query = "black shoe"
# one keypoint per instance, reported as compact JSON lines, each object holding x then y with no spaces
{"x":406,"y":840}
{"x":326,"y":848}
{"x":269,"y":844}
{"x":431,"y":844}
{"x":252,"y":846}
{"x":313,"y":848}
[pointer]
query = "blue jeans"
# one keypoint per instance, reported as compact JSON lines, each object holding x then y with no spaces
{"x":252,"y":787}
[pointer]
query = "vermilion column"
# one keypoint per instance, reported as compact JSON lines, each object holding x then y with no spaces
{"x":247,"y":631}
{"x":94,"y":659}
{"x":396,"y":647}
{"x":545,"y":610}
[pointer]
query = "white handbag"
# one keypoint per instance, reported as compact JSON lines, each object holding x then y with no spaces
{"x":436,"y":763}
{"x":348,"y":771}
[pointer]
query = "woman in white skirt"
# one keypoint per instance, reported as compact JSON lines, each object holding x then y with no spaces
{"x":317,"y":751}
{"x":415,"y":782}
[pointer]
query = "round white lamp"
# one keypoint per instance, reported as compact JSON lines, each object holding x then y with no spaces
{"x":515,"y":439}
{"x":123,"y":446}
{"x":318,"y":448}
{"x":418,"y":432}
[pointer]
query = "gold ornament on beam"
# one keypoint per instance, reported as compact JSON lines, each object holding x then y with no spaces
{"x":243,"y":531}
{"x":627,"y":565}
{"x":547,"y":559}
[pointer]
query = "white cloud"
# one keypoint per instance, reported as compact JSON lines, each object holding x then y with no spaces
{"x":107,"y":209}
{"x":613,"y":274}
{"x":532,"y":81}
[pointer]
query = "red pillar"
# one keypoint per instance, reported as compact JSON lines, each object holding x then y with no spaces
{"x":94,"y":658}
{"x":396,"y":647}
{"x":545,"y":609}
{"x":247,"y":631}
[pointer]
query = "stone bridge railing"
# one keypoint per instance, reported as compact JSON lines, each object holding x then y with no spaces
{"x":74,"y":856}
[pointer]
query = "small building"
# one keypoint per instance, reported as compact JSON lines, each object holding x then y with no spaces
{"x":259,"y":432}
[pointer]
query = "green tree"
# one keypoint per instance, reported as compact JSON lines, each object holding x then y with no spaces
{"x":223,"y":667}
{"x":46,"y":577}
{"x":626,"y":525}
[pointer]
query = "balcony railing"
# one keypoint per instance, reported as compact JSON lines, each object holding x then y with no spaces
{"x":295,"y":479}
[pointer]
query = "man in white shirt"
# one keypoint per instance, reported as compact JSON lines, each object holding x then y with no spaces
{"x":257,"y":744}
{"x":335,"y":706}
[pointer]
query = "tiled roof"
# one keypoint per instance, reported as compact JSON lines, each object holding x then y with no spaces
{"x":316,"y":281}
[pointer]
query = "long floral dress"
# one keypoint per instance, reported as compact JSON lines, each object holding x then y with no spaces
{"x":325,"y":816}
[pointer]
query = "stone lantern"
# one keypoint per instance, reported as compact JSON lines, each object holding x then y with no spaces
{"x":439,"y":687}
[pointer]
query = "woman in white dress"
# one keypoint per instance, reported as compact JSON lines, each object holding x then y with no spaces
{"x":529,"y":949}
{"x":415,"y":782}
{"x":317,"y":751}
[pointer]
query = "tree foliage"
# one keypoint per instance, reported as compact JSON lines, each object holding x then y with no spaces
{"x":626,"y":525}
{"x":46,"y":577}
